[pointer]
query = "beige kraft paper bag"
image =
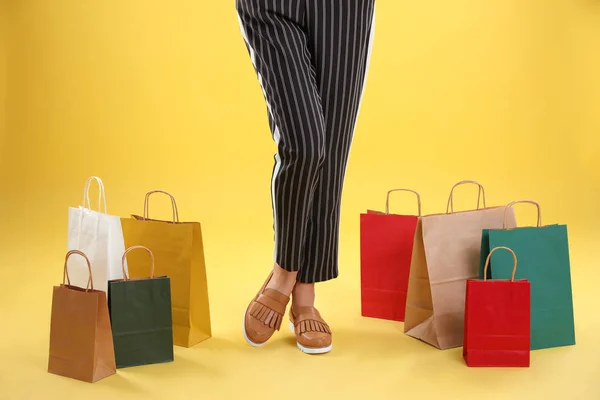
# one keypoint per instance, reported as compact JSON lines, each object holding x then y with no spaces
{"x":446,"y":253}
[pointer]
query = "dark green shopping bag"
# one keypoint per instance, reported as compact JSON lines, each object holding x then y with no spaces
{"x":543,"y":254}
{"x":140,"y":314}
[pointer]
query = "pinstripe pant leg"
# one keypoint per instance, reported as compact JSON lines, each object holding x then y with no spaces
{"x":278,"y":45}
{"x":311,"y":58}
{"x":340,"y":37}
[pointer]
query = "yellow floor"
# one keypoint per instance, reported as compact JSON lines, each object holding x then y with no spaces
{"x":149,"y":96}
{"x":371,"y":358}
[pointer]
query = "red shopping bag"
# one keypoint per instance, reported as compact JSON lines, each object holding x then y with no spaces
{"x":497,"y":320}
{"x":386,"y":242}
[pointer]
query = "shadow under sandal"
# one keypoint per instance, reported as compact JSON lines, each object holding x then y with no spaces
{"x":313,"y":335}
{"x":264,"y":315}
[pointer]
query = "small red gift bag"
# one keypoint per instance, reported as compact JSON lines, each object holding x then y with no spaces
{"x":497,"y":321}
{"x":386,"y":242}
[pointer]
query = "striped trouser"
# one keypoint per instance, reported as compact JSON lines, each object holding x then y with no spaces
{"x":311,"y":57}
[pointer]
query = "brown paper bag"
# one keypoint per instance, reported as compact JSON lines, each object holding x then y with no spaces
{"x":179,"y":254}
{"x":446,"y":253}
{"x":81,"y":343}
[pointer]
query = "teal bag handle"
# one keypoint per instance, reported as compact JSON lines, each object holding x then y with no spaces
{"x":535,"y":203}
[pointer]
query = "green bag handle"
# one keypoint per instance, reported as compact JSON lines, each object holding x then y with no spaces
{"x":480,"y":195}
{"x":535,"y":203}
{"x":387,"y":200}
{"x":124,"y":258}
{"x":173,"y":204}
{"x":487,"y":262}
{"x":90,"y":283}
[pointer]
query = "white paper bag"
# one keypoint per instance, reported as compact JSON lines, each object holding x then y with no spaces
{"x":100,"y":237}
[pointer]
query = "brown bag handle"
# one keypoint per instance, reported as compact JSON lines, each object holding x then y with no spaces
{"x":173,"y":204}
{"x":535,"y":203}
{"x":480,"y":194}
{"x":90,"y":283}
{"x":487,"y":262}
{"x":125,"y":258}
{"x":387,"y":200}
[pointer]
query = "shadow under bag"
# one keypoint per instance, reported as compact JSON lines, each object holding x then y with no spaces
{"x":543,"y":253}
{"x":140,"y":314}
{"x":81,"y":345}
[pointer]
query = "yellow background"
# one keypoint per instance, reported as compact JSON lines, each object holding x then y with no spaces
{"x":150,"y":94}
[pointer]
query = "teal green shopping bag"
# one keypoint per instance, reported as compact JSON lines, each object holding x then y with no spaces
{"x":543,"y":254}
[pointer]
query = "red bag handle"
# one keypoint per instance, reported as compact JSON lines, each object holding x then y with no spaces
{"x":535,"y":203}
{"x":387,"y":200}
{"x":125,"y":257}
{"x":487,"y":262}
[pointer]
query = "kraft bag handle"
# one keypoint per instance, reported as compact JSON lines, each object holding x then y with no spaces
{"x":387,"y":200}
{"x":101,"y":193}
{"x":173,"y":204}
{"x":480,"y":195}
{"x":90,"y":283}
{"x":535,"y":203}
{"x":489,"y":257}
{"x":124,"y":258}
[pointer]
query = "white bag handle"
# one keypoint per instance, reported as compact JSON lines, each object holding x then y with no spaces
{"x":101,"y":193}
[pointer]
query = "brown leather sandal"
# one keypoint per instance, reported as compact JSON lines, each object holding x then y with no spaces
{"x":313,"y":335}
{"x":264,"y":315}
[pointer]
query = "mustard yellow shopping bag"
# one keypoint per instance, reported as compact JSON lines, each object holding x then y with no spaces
{"x":179,"y":254}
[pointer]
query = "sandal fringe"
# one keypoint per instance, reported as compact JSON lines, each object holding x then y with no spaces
{"x":266,"y":315}
{"x":312,"y":325}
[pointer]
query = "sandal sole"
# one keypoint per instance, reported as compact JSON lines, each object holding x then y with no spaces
{"x":250,"y":342}
{"x":310,"y":350}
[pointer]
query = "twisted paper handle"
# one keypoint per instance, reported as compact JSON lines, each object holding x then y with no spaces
{"x":173,"y":204}
{"x":487,"y":262}
{"x":124,"y":258}
{"x":510,"y":205}
{"x":90,"y":283}
{"x":387,"y":201}
{"x":480,"y":194}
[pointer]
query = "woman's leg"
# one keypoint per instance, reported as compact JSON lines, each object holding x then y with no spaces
{"x":340,"y":37}
{"x":277,"y":43}
{"x":340,"y":33}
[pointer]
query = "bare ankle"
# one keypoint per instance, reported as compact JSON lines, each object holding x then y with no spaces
{"x":282,"y":280}
{"x":303,"y":295}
